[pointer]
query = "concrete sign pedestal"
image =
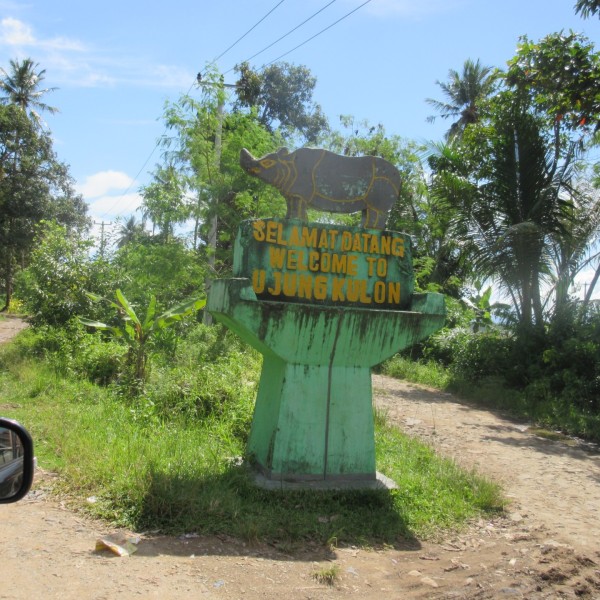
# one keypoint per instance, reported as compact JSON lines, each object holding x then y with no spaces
{"x":320,"y":330}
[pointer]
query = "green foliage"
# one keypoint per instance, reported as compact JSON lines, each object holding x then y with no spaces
{"x":587,"y":8}
{"x":475,"y":356}
{"x":210,"y":377}
{"x":206,"y":146}
{"x":173,"y":470}
{"x":327,"y":575}
{"x":34,"y":185}
{"x":425,"y":372}
{"x":137,"y":332}
{"x":483,"y":309}
{"x":570,"y":359}
{"x":52,"y":288}
{"x":170,"y":271}
{"x":72,"y":352}
{"x":21,"y":87}
{"x":130,"y":231}
{"x":164,"y":201}
{"x":506,"y":189}
{"x":282,"y":95}
{"x":561,"y":74}
{"x":464,"y":94}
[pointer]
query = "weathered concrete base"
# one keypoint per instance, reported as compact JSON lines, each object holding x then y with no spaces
{"x":380,"y":482}
{"x":313,"y":418}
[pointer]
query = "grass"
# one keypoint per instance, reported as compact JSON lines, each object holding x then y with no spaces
{"x":425,"y":373}
{"x":180,"y":474}
{"x":327,"y":575}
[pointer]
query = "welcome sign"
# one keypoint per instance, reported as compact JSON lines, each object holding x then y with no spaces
{"x":291,"y":261}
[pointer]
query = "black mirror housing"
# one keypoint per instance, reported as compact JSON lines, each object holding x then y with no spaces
{"x":16,"y":461}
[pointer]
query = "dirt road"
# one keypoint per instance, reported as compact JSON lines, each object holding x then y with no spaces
{"x":10,"y":326}
{"x":546,"y":547}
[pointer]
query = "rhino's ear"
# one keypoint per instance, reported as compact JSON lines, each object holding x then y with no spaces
{"x":282,"y":152}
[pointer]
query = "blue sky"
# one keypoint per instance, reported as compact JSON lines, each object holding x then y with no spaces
{"x":116,"y":63}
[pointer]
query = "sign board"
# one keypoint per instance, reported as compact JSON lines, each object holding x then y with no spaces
{"x":332,"y":265}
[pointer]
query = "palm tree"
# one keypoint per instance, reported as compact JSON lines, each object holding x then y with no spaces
{"x":587,"y":8}
{"x":509,"y":194}
{"x":464,"y":93}
{"x":21,"y":87}
{"x":129,"y":230}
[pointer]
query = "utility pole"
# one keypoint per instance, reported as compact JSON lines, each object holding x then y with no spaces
{"x":214,"y":220}
{"x":102,"y":238}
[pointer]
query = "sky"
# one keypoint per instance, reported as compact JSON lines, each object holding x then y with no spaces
{"x":115,"y":64}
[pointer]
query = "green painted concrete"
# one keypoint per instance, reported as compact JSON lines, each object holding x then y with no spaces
{"x":313,"y":417}
{"x":323,"y":304}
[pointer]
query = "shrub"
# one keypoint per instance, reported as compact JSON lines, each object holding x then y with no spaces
{"x":52,"y":288}
{"x":71,"y":351}
{"x":471,"y":356}
{"x":100,"y":361}
{"x":213,"y":374}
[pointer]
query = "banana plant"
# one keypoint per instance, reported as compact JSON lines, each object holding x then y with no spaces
{"x":483,"y":308}
{"x":137,"y":332}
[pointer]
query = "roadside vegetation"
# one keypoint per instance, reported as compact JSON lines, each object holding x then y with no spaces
{"x":168,"y":458}
{"x":144,"y":407}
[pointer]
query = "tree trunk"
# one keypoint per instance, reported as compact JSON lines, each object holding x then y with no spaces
{"x":8,"y":280}
{"x":537,"y":300}
{"x":214,"y":223}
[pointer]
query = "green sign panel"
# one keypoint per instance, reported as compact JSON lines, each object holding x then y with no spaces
{"x":291,"y":261}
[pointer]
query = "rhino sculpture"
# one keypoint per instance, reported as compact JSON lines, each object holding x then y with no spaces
{"x":314,"y":178}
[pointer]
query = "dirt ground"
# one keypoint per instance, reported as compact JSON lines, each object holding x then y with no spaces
{"x":547,"y":546}
{"x":10,"y":326}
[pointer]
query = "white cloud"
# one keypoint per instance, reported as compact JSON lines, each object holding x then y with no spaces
{"x":108,"y":195}
{"x":72,"y":62}
{"x":18,"y":34}
{"x":171,"y":76}
{"x":110,"y":207}
{"x":102,"y":183}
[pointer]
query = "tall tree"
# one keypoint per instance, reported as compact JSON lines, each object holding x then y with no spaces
{"x":437,"y":254}
{"x":164,"y":201}
{"x":508,"y":188}
{"x":129,"y":231}
{"x":21,"y":86}
{"x":464,"y":93}
{"x":282,"y":95}
{"x":561,"y":74}
{"x":34,"y":185}
{"x":220,"y":187}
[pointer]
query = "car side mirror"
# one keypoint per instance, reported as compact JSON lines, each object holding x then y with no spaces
{"x":16,"y":461}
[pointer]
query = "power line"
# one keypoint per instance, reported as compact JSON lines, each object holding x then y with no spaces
{"x":189,"y":90}
{"x":260,"y":52}
{"x":247,"y":32}
{"x":317,"y":34}
{"x":285,"y":35}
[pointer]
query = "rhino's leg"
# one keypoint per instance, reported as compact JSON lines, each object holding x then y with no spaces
{"x":296,"y":208}
{"x":373,"y":219}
